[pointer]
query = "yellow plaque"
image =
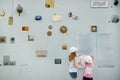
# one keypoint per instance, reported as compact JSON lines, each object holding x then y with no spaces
{"x":25,"y":28}
{"x":10,"y":20}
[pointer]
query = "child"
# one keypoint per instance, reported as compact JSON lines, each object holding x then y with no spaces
{"x":87,"y":74}
{"x":73,"y":63}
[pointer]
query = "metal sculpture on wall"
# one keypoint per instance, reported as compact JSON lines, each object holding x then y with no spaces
{"x":49,"y":33}
{"x":12,"y":40}
{"x":63,"y":29}
{"x":50,"y":27}
{"x":116,"y":2}
{"x":75,"y":17}
{"x":38,"y":18}
{"x":2,"y":13}
{"x":115,"y":19}
{"x":70,"y":14}
{"x":19,"y":9}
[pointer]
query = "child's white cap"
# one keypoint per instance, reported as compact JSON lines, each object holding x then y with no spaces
{"x":88,"y":59}
{"x":73,"y":49}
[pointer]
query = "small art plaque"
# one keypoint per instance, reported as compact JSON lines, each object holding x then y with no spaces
{"x":57,"y":18}
{"x":2,"y":39}
{"x":64,"y":46}
{"x":12,"y":63}
{"x":41,"y":53}
{"x":38,"y":18}
{"x":7,"y":62}
{"x":30,"y":37}
{"x":2,"y":13}
{"x":25,"y":28}
{"x":58,"y":61}
{"x":93,"y":28}
{"x":49,"y":3}
{"x":10,"y":20}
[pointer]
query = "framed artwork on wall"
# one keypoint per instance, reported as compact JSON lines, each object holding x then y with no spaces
{"x":41,"y":53}
{"x":57,"y":18}
{"x":49,"y":3}
{"x":30,"y":37}
{"x":93,"y":28}
{"x":57,"y":61}
{"x":7,"y":62}
{"x":3,"y":39}
{"x":25,"y":28}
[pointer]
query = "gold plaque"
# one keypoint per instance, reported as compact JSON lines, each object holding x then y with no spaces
{"x":49,"y":3}
{"x":10,"y":20}
{"x":25,"y":28}
{"x":64,"y":46}
{"x":93,"y":28}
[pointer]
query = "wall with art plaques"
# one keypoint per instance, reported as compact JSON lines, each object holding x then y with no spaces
{"x":35,"y":37}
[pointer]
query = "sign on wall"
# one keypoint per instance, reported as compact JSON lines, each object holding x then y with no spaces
{"x":99,"y":4}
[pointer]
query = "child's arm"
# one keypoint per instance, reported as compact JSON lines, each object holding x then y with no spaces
{"x":75,"y":63}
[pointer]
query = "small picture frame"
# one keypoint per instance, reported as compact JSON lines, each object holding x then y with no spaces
{"x":93,"y":28}
{"x":41,"y":53}
{"x":25,"y":28}
{"x":3,"y":39}
{"x":64,"y":46}
{"x":6,"y":60}
{"x":30,"y":37}
{"x":57,"y":61}
{"x":57,"y":18}
{"x":49,"y":3}
{"x":12,"y":63}
{"x":10,"y":20}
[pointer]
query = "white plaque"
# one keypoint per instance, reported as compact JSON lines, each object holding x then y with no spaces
{"x":99,"y":4}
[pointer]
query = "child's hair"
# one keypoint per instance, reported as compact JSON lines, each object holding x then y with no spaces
{"x":72,"y":56}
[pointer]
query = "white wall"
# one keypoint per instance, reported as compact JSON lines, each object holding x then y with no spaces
{"x":30,"y":67}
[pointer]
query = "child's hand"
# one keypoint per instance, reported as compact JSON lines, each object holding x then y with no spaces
{"x":79,"y":63}
{"x":79,"y":55}
{"x":92,"y":57}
